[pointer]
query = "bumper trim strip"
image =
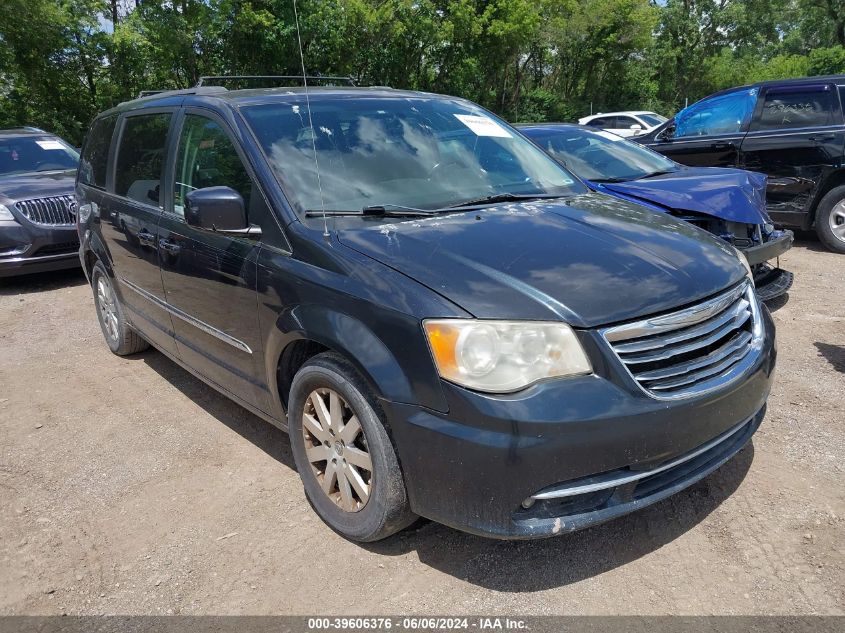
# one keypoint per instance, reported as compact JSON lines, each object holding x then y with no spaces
{"x":617,"y":478}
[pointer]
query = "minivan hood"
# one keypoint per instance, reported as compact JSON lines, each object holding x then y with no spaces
{"x":735,"y":195}
{"x":589,"y":260}
{"x":37,"y":185}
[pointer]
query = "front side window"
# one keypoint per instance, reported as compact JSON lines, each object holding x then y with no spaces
{"x":723,"y":114}
{"x":207,"y":158}
{"x":797,"y":107}
{"x":95,"y":155}
{"x":625,"y":123}
{"x":140,"y":157}
{"x":603,"y":156}
{"x":417,"y":152}
{"x":22,"y":154}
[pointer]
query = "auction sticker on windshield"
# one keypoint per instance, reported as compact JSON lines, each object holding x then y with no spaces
{"x":483,"y":126}
{"x":50,"y":145}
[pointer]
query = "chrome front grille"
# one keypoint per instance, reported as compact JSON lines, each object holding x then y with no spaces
{"x":52,"y":211}
{"x":694,"y":350}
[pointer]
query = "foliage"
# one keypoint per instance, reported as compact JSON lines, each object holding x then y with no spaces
{"x":62,"y":61}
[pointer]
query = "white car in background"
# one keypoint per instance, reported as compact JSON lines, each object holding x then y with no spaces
{"x":626,"y":124}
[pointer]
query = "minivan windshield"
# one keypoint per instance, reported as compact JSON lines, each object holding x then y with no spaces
{"x":602,"y":156}
{"x":420,"y":153}
{"x":22,"y":154}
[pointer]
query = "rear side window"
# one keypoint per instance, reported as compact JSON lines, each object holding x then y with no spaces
{"x":140,"y":157}
{"x":95,"y":156}
{"x":795,"y":108}
{"x":598,"y":123}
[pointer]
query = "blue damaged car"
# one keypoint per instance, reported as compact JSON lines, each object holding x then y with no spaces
{"x":730,"y":203}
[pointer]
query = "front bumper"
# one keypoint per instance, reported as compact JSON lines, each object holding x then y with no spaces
{"x":473,"y":468}
{"x":34,"y":249}
{"x":771,"y":249}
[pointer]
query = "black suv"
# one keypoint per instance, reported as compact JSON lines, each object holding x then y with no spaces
{"x":792,"y":130}
{"x":37,"y":207}
{"x":448,"y":323}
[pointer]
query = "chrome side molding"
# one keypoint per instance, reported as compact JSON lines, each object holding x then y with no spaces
{"x":187,"y":318}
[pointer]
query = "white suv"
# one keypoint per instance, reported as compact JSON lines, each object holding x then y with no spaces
{"x":629,"y":123}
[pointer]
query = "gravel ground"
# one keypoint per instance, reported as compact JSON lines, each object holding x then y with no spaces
{"x":130,"y":487}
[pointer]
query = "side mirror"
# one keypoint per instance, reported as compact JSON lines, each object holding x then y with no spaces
{"x":667,"y":134}
{"x":219,"y":209}
{"x":637,"y":127}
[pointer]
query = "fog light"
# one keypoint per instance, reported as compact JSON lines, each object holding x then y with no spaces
{"x":528,"y":502}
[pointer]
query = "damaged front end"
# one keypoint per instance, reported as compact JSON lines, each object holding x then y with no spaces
{"x":729,"y":203}
{"x":761,"y":244}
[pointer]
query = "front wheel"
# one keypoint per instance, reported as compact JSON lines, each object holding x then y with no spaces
{"x":830,"y":220}
{"x":344,"y":456}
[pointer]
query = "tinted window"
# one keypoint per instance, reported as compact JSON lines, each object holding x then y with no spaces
{"x":421,"y":152}
{"x":722,"y":114}
{"x":207,"y":158}
{"x":95,"y":155}
{"x":23,"y":154}
{"x":652,"y":119}
{"x":140,"y":157}
{"x":784,"y":108}
{"x":598,"y":123}
{"x":625,"y":123}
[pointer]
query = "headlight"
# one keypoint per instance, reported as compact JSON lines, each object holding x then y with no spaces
{"x":503,"y":356}
{"x":5,"y":213}
{"x":744,"y":260}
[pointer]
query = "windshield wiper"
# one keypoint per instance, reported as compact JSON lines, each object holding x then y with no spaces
{"x":606,"y":181}
{"x":503,"y":197}
{"x":389,"y":210}
{"x":659,"y":173}
{"x":377,"y":210}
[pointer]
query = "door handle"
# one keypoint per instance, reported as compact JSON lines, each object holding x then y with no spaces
{"x":171,"y":247}
{"x":821,"y":138}
{"x":146,"y":238}
{"x":723,"y":145}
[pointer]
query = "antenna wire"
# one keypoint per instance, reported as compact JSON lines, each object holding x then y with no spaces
{"x":311,"y":122}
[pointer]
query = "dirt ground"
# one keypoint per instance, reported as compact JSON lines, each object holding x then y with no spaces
{"x":127,"y":486}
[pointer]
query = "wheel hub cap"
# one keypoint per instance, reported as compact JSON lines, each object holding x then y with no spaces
{"x":108,"y":309}
{"x":837,"y":220}
{"x":337,"y":450}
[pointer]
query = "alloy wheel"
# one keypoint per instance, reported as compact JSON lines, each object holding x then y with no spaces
{"x":837,"y":220}
{"x":336,"y":448}
{"x":106,"y":302}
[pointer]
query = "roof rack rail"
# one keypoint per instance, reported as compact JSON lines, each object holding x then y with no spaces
{"x":345,"y":80}
{"x":24,"y":128}
{"x":149,"y":93}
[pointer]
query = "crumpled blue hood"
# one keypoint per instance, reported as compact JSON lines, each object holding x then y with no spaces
{"x":735,"y":195}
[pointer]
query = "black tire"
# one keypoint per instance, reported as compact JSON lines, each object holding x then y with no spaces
{"x":121,"y":339}
{"x":829,"y":213}
{"x":386,"y":510}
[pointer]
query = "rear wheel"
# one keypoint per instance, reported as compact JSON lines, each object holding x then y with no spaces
{"x":830,"y":219}
{"x":343,"y":453}
{"x":121,"y":339}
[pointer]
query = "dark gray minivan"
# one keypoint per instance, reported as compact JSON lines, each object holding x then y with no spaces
{"x":448,"y":323}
